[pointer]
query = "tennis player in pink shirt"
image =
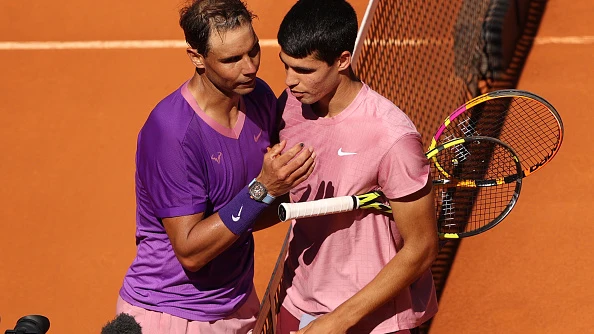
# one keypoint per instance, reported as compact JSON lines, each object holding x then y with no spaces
{"x":360,"y":271}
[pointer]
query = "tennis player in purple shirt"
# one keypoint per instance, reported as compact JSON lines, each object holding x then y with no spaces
{"x":205,"y":171}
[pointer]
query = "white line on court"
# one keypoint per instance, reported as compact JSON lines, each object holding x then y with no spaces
{"x":110,"y":45}
{"x":565,"y":40}
{"x":172,"y":44}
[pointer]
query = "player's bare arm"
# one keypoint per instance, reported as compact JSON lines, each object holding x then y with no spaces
{"x":197,"y":240}
{"x":415,"y":219}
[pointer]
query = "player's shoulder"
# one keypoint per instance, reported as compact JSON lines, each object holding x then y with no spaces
{"x":170,"y":103}
{"x":386,"y":112}
{"x":381,"y":105}
{"x":170,"y":116}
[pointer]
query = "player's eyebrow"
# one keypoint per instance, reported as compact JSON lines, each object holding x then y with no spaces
{"x":239,"y":56}
{"x":296,"y":68}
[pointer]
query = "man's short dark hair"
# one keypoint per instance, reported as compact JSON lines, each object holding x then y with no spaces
{"x":202,"y":17}
{"x":322,"y":28}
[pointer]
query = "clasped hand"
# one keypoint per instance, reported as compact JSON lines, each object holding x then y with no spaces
{"x":281,"y":171}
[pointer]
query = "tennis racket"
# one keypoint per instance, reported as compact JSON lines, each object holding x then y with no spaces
{"x":482,"y":186}
{"x":523,"y":120}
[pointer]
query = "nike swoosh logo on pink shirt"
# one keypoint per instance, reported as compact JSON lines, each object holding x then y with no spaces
{"x":342,"y":154}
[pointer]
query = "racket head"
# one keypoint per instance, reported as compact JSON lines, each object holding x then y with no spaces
{"x":482,"y":186}
{"x":523,"y":120}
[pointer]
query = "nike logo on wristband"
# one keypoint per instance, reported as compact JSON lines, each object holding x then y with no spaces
{"x":342,"y":154}
{"x":236,"y":218}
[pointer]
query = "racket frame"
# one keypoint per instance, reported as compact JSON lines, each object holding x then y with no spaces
{"x":505,"y":93}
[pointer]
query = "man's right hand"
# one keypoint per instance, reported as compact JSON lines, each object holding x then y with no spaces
{"x":282,"y":171}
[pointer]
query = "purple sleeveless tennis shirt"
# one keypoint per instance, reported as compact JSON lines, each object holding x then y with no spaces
{"x":186,"y":163}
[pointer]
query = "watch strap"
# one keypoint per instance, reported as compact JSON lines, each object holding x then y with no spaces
{"x":268,"y":199}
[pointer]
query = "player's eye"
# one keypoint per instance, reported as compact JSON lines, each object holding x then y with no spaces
{"x":302,"y":70}
{"x":255,"y":50}
{"x":231,"y":60}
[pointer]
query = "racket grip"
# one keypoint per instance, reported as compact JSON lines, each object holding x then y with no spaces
{"x":320,"y":207}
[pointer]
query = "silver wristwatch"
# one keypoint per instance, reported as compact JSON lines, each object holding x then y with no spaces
{"x":259,"y":193}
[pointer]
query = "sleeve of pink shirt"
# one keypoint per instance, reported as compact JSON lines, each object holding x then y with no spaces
{"x":404,"y":169}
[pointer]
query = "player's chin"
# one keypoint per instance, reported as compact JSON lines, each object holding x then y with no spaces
{"x":245,"y":87}
{"x":305,"y":99}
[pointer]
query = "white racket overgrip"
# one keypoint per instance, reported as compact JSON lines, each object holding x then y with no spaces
{"x":320,"y":207}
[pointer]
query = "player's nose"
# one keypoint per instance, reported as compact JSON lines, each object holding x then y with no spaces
{"x":291,"y":79}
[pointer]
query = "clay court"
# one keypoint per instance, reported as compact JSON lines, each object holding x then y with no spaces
{"x":74,"y":101}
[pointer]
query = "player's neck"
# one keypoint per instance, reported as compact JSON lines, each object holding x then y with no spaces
{"x":221,"y":106}
{"x":338,"y":100}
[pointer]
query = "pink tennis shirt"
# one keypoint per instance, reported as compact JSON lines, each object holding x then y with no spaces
{"x":370,"y":145}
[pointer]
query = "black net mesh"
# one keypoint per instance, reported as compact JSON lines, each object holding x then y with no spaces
{"x":431,"y":57}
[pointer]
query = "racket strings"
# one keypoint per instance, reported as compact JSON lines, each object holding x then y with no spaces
{"x":476,"y":160}
{"x":529,"y":126}
{"x":533,"y":131}
{"x":468,"y":210}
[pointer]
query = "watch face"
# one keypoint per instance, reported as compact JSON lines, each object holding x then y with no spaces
{"x":258,"y":191}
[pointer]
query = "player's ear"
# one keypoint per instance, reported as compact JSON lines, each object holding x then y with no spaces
{"x":196,"y":58}
{"x":344,"y":60}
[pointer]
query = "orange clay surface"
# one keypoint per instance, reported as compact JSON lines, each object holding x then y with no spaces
{"x":68,"y":126}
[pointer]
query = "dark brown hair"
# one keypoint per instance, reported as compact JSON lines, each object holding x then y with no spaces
{"x":202,"y":17}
